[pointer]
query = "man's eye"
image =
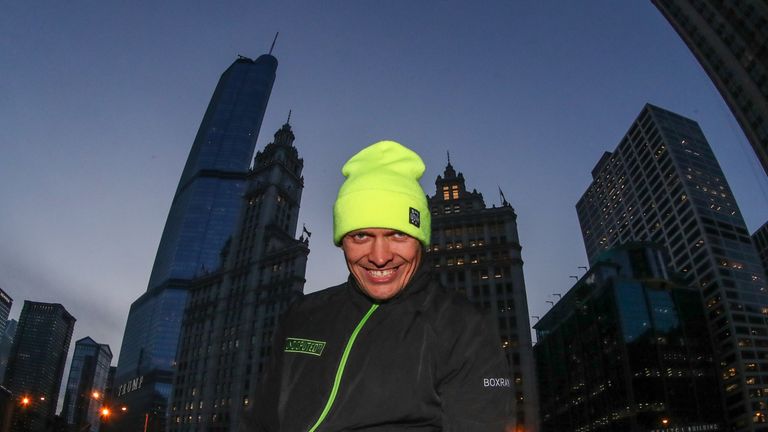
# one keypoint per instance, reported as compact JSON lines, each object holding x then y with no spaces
{"x":400,"y":236}
{"x":359,"y":236}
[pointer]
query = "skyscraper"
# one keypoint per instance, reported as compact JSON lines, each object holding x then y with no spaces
{"x":37,"y":361}
{"x":760,"y":238}
{"x":663,"y":184}
{"x":627,"y":349}
{"x":202,"y":218}
{"x":86,"y":387}
{"x":730,"y":40}
{"x":6,"y":342}
{"x":476,"y":250}
{"x":5,"y":308}
{"x":228,"y":325}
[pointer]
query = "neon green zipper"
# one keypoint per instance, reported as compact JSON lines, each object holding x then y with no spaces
{"x":340,"y":370}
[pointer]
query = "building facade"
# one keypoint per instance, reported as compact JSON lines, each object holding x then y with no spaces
{"x":87,"y":385}
{"x":201,"y":220}
{"x":730,"y":40}
{"x":476,"y":251}
{"x":627,"y":349}
{"x":760,"y":238}
{"x":663,"y":184}
{"x":5,"y":309}
{"x":6,"y":342}
{"x":36,"y":364}
{"x":6,"y":409}
{"x":228,"y":325}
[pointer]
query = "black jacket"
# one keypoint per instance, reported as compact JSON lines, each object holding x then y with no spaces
{"x":426,"y":360}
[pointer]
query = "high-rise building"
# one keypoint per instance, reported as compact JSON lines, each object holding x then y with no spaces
{"x":5,"y":309}
{"x":663,"y":184}
{"x":760,"y":238}
{"x":6,"y":342}
{"x":476,"y":251}
{"x":231,"y":315}
{"x":109,"y":387}
{"x":6,"y":409}
{"x":86,"y":387}
{"x":201,"y":220}
{"x":36,"y":365}
{"x":627,"y":349}
{"x":730,"y":40}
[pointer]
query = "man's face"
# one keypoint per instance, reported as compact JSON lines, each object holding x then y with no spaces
{"x":381,"y":260}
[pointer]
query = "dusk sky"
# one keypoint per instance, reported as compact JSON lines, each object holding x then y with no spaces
{"x":100,"y":103}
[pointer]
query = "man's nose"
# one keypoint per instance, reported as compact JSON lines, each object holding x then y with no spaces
{"x":381,"y":253}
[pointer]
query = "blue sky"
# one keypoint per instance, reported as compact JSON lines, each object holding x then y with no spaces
{"x":100,"y":102}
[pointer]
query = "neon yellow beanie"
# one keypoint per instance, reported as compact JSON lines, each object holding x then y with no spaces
{"x":382,"y":191}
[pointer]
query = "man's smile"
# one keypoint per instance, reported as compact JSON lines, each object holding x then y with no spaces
{"x":382,"y":273}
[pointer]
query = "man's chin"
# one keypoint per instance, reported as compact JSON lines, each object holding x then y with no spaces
{"x":381,"y":293}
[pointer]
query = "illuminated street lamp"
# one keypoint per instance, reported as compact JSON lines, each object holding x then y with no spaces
{"x":96,"y":395}
{"x":665,"y":422}
{"x":105,"y":412}
{"x":24,"y":401}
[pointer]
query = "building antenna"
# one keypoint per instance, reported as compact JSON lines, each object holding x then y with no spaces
{"x":273,"y":43}
{"x":504,"y":201}
{"x":289,"y":118}
{"x":447,"y":152}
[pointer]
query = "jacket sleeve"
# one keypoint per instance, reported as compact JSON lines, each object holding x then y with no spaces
{"x":474,"y":385}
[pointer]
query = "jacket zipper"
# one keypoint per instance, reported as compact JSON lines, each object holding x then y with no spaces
{"x":340,"y":369}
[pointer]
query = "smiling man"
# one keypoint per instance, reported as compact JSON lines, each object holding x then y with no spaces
{"x":390,"y":349}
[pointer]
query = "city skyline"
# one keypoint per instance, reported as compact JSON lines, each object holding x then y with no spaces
{"x":98,"y":128}
{"x":202,"y":219}
{"x":663,"y":184}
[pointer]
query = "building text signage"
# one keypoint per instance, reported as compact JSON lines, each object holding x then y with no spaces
{"x":130,"y":385}
{"x":691,"y":428}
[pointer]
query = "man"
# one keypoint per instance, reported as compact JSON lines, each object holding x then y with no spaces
{"x":390,"y":349}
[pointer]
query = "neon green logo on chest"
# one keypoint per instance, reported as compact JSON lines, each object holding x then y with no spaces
{"x":304,"y":346}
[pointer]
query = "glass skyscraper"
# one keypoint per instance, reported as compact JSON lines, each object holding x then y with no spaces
{"x":627,"y":349}
{"x":201,"y":220}
{"x":208,"y":198}
{"x":86,"y":385}
{"x":663,"y":184}
{"x":6,"y":341}
{"x":36,"y":364}
{"x":232,"y":313}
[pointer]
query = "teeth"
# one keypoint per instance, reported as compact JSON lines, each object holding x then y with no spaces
{"x":381,"y":273}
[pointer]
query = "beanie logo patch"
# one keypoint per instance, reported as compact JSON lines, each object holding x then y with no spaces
{"x":414,"y":217}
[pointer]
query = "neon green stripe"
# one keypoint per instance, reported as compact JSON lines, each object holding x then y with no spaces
{"x":340,"y":370}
